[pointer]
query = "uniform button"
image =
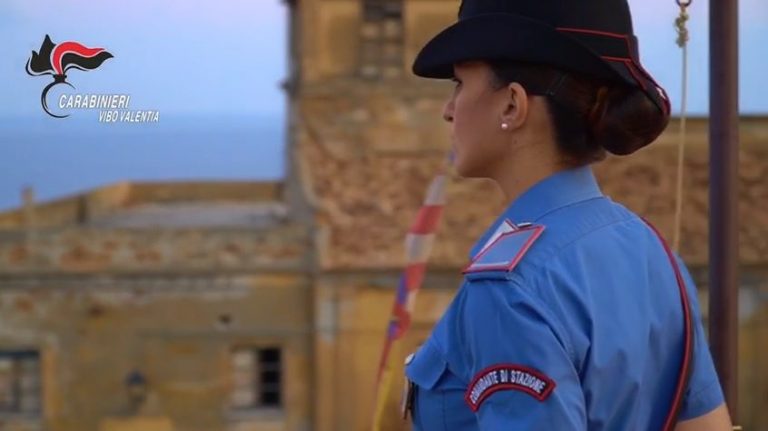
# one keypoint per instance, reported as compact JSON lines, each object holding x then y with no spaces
{"x":409,"y":358}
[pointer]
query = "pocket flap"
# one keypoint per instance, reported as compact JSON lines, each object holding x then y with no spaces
{"x":426,"y":367}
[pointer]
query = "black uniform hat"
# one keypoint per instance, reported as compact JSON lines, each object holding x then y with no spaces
{"x":592,"y":37}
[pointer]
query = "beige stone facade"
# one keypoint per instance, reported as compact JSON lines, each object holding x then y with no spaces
{"x":172,"y":280}
{"x":165,"y":279}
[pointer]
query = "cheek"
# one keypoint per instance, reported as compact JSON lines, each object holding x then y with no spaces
{"x":472,"y":128}
{"x":466,"y":122}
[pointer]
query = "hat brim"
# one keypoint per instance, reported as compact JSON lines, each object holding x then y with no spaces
{"x":503,"y":36}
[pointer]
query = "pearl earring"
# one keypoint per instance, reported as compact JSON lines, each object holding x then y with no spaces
{"x":504,"y":126}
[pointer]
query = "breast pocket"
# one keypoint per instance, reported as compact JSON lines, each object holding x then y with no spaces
{"x":438,"y":401}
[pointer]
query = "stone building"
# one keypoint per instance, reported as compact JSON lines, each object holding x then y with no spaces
{"x":262,"y":306}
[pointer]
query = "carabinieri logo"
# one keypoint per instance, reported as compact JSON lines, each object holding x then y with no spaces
{"x":56,"y":60}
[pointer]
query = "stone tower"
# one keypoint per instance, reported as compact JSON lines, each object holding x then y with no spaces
{"x":366,"y":137}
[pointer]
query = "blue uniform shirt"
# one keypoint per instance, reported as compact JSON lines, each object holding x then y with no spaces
{"x":580,"y":328}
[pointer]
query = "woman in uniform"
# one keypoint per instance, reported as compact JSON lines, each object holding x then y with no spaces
{"x":573,"y":313}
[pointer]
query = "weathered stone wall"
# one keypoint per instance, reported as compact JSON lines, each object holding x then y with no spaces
{"x":645,"y":182}
{"x":92,"y":331}
{"x":753,"y":355}
{"x":92,"y":204}
{"x":98,"y":299}
{"x":369,"y":162}
{"x":155,"y":250}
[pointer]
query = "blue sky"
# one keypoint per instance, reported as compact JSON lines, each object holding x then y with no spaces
{"x":221,"y":57}
{"x":213,"y":68}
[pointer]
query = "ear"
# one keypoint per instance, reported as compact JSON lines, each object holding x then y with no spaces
{"x":515,"y":106}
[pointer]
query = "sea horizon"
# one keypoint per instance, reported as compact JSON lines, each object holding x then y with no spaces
{"x":64,"y":157}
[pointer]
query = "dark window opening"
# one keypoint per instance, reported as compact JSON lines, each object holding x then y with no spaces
{"x":20,"y":386}
{"x":381,"y":39}
{"x":257,"y":378}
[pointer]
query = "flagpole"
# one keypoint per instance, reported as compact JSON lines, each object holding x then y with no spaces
{"x":723,"y":202}
{"x":418,"y":247}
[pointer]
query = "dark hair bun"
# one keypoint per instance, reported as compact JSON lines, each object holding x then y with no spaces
{"x":624,"y":120}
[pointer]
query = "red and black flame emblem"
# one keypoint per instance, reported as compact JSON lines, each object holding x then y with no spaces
{"x":56,"y":60}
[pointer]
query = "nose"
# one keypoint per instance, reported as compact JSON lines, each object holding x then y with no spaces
{"x":448,"y":111}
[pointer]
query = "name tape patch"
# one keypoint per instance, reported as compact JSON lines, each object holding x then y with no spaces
{"x":507,"y":377}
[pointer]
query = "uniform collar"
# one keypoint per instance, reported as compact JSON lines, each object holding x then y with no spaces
{"x":556,"y":191}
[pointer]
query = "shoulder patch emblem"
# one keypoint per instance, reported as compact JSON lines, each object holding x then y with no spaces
{"x":507,"y":377}
{"x":506,"y":251}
